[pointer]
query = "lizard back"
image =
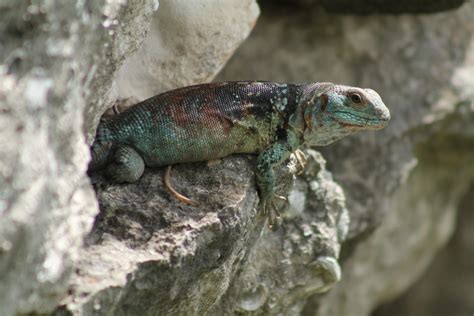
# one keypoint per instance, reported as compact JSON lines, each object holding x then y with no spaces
{"x":202,"y":122}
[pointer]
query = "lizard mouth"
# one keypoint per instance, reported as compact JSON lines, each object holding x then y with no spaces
{"x":361,"y":126}
{"x":358,"y":121}
{"x":370,"y":124}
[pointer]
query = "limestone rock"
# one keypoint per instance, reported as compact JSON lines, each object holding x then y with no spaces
{"x":121,"y":31}
{"x":150,"y":254}
{"x":446,"y":288}
{"x":51,"y":62}
{"x":188,"y":43}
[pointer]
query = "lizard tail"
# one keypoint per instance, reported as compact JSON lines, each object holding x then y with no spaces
{"x":100,"y":149}
{"x":175,"y":193}
{"x":100,"y":152}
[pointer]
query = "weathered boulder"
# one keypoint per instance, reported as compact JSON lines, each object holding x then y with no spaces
{"x":52,"y":67}
{"x":150,"y":254}
{"x":446,"y":288}
{"x":188,"y":43}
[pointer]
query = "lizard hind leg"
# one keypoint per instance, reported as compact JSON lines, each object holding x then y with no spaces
{"x":173,"y":192}
{"x":125,"y":164}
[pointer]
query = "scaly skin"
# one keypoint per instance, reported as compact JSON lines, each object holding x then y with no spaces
{"x":211,"y":121}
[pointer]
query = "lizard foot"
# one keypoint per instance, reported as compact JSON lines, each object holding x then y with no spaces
{"x":301,"y":159}
{"x":329,"y":273}
{"x":269,"y":208}
{"x":173,"y":192}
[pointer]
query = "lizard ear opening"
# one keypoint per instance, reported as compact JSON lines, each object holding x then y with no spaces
{"x":324,"y":99}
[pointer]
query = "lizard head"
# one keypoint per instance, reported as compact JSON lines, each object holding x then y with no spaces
{"x":336,"y":111}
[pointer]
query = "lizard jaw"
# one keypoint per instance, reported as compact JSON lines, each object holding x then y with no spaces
{"x":363,"y":126}
{"x":365,"y":123}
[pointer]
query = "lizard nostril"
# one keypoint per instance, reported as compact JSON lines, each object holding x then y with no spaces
{"x":384,"y":115}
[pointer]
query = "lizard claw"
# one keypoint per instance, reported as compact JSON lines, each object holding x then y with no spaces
{"x":329,"y":272}
{"x":270,"y":209}
{"x":273,"y":215}
{"x":281,"y":197}
{"x":115,"y":109}
{"x":301,"y":159}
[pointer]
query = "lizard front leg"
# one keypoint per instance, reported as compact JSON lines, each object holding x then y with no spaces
{"x":272,"y":156}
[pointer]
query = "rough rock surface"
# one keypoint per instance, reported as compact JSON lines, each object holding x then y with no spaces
{"x":150,"y":254}
{"x":447,"y":287}
{"x":122,"y":29}
{"x":406,"y":181}
{"x":50,"y":57}
{"x":188,"y":43}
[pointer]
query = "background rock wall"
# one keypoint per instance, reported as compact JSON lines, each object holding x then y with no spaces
{"x":389,"y":199}
{"x":188,"y":43}
{"x":446,"y":288}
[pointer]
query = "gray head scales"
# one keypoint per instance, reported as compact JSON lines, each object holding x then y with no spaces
{"x":336,"y":111}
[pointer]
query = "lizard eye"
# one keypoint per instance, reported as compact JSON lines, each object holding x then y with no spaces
{"x":356,"y":98}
